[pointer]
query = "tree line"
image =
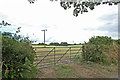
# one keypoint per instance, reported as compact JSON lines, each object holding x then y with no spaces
{"x":58,"y":44}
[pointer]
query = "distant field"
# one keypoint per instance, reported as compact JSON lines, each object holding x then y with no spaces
{"x":56,"y":46}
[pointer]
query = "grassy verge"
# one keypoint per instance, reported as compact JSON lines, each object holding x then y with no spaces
{"x":64,"y":71}
{"x":109,"y":68}
{"x":100,"y":70}
{"x":86,"y":70}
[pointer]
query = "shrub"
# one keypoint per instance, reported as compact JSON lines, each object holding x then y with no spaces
{"x":101,"y":50}
{"x":17,"y":57}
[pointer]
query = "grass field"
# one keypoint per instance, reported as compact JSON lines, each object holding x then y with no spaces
{"x":55,"y":55}
{"x":56,"y":46}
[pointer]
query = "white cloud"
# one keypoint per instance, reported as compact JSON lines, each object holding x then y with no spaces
{"x":61,"y":24}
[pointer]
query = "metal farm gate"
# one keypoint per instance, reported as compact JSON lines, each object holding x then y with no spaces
{"x":52,"y":56}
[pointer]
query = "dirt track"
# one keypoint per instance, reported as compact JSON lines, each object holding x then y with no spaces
{"x":81,"y":72}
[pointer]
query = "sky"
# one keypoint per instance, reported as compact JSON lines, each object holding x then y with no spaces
{"x":61,"y":25}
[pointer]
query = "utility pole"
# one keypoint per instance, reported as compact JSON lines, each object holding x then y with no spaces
{"x":44,"y":35}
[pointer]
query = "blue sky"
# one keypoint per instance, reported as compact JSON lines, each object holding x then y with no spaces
{"x":62,"y":26}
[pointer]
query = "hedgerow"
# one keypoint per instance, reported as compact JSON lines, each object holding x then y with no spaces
{"x":17,"y":57}
{"x":101,"y":49}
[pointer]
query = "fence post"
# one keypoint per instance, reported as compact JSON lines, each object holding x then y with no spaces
{"x":54,"y":56}
{"x":83,"y":50}
{"x":70,"y":54}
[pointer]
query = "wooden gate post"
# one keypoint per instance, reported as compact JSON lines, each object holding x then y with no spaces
{"x":54,"y":56}
{"x":83,"y":50}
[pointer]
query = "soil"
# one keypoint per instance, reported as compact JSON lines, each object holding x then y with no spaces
{"x":81,"y":72}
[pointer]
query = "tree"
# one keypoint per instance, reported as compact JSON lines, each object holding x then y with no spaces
{"x":82,"y":5}
{"x":31,"y":1}
{"x":4,"y":24}
{"x":41,"y":44}
{"x":64,"y":44}
{"x":55,"y":44}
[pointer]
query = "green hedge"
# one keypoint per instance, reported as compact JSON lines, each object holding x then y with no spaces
{"x":17,"y":57}
{"x":101,"y":49}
